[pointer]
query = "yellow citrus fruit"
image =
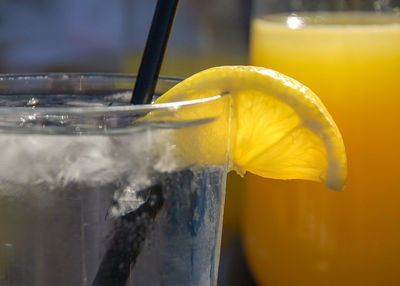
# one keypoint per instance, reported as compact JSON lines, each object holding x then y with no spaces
{"x":278,"y":127}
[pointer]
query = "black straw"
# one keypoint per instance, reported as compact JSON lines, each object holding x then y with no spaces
{"x":154,"y":51}
{"x":132,"y":229}
{"x":128,"y":240}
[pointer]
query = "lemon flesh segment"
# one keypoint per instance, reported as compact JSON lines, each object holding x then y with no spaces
{"x":279,"y":128}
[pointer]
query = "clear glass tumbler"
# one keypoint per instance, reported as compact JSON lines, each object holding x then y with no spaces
{"x":299,"y":233}
{"x":94,"y":191}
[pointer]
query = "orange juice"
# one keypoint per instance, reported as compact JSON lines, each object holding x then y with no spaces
{"x":300,"y":233}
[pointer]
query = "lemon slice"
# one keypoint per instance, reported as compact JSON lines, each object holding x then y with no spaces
{"x":279,"y":128}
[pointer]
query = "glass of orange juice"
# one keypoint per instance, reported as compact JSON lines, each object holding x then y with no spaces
{"x":299,"y":233}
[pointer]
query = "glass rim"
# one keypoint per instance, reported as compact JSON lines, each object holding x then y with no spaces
{"x":88,"y":115}
{"x":100,"y":109}
{"x":331,"y":19}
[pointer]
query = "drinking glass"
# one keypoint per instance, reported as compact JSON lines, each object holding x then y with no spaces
{"x":299,"y":233}
{"x":94,"y":191}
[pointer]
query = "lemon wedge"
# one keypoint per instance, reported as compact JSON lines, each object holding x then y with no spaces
{"x":279,"y":128}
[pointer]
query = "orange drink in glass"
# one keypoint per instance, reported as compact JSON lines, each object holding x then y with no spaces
{"x":298,"y":233}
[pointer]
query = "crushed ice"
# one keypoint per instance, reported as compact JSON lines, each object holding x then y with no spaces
{"x":58,"y":160}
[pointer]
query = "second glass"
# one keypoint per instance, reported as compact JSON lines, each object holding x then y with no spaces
{"x":299,"y":233}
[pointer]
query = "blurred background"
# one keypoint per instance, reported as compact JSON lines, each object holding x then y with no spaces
{"x":109,"y":36}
